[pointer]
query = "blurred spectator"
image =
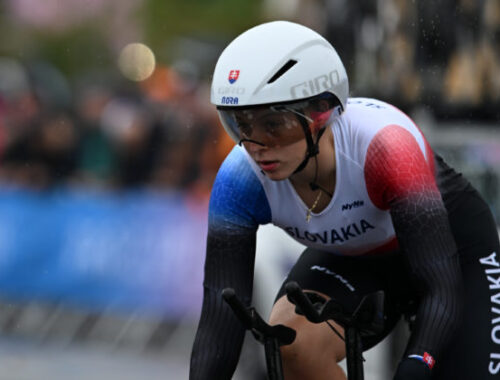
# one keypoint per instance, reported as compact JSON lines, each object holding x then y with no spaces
{"x":20,"y":104}
{"x":134,"y":141}
{"x":46,"y":156}
{"x":96,"y":162}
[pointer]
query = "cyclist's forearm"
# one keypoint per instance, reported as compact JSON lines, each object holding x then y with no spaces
{"x":437,"y":316}
{"x":427,"y":241}
{"x":218,"y":341}
{"x":229,"y":263}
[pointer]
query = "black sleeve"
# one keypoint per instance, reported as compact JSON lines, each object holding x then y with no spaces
{"x":424,"y":234}
{"x":400,"y":178}
{"x":238,"y":205}
{"x":229,"y":263}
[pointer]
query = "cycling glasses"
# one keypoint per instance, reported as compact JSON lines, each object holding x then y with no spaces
{"x":274,"y":125}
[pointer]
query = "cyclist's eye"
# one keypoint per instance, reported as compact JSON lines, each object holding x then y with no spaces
{"x":274,"y":126}
{"x":245,"y":129}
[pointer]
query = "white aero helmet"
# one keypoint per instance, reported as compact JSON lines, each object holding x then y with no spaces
{"x":284,"y":67}
{"x":277,"y":62}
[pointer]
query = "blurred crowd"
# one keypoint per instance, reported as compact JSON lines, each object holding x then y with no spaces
{"x":441,"y":53}
{"x":164,"y":134}
{"x":160,"y":133}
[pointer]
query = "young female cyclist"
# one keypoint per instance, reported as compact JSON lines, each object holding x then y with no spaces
{"x":357,"y":183}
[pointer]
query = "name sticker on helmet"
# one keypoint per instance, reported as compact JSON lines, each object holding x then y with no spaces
{"x":229,"y":100}
{"x":233,"y":76}
{"x":316,"y":85}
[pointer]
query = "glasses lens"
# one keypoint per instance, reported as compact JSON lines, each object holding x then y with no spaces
{"x":269,"y":126}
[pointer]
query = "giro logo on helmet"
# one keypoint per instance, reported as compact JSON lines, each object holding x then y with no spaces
{"x":228,"y":90}
{"x":233,"y":76}
{"x":314,"y":86}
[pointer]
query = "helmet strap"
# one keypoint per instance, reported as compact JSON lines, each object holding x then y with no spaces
{"x":312,"y":151}
{"x":314,"y":184}
{"x":312,"y":147}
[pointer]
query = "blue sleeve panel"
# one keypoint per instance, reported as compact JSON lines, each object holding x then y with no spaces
{"x":237,"y":206}
{"x":238,"y":200}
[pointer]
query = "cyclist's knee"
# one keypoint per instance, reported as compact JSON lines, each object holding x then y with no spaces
{"x":314,"y":342}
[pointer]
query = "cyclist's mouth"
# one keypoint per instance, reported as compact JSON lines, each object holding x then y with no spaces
{"x":268,"y":166}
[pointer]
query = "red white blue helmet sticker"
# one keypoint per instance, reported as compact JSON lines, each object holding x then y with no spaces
{"x":233,"y":76}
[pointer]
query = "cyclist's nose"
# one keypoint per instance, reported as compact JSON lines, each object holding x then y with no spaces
{"x":251,"y":143}
{"x":255,"y":147}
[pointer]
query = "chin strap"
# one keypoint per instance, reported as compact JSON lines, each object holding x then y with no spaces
{"x":312,"y":147}
{"x":312,"y":151}
{"x":314,"y":185}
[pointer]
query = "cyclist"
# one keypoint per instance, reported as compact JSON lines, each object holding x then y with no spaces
{"x":357,"y":183}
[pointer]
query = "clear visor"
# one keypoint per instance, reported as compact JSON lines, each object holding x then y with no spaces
{"x":273,"y":125}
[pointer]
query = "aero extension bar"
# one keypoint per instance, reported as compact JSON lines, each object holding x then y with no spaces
{"x":272,"y":337}
{"x":366,"y":320}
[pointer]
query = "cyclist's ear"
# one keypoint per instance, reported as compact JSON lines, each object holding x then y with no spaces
{"x":323,"y":105}
{"x":319,"y":105}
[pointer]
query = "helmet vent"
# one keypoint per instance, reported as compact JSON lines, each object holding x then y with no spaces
{"x":287,"y":66}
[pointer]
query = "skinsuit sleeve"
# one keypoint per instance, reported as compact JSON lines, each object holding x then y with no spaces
{"x":399,"y":178}
{"x":237,"y":206}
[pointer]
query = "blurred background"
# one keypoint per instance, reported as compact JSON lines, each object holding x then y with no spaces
{"x":109,"y":147}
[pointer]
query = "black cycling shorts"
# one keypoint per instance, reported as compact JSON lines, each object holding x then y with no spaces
{"x":474,"y":352}
{"x":348,"y":279}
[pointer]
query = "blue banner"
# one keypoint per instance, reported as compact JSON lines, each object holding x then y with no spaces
{"x":127,"y":251}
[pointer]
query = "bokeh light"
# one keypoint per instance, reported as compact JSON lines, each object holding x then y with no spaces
{"x":136,"y":61}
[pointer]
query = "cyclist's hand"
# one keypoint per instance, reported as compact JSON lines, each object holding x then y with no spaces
{"x":412,"y":369}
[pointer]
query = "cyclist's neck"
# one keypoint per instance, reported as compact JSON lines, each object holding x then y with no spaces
{"x":325,"y":170}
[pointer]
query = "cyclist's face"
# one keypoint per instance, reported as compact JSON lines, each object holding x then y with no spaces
{"x":274,"y":134}
{"x":275,"y":140}
{"x":277,"y":163}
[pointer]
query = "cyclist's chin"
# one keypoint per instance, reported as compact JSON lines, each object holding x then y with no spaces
{"x":278,"y":174}
{"x":276,"y":177}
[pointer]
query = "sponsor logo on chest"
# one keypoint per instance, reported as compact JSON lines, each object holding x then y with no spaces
{"x":351,"y":205}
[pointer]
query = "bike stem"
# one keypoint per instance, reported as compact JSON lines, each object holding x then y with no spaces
{"x":353,"y":351}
